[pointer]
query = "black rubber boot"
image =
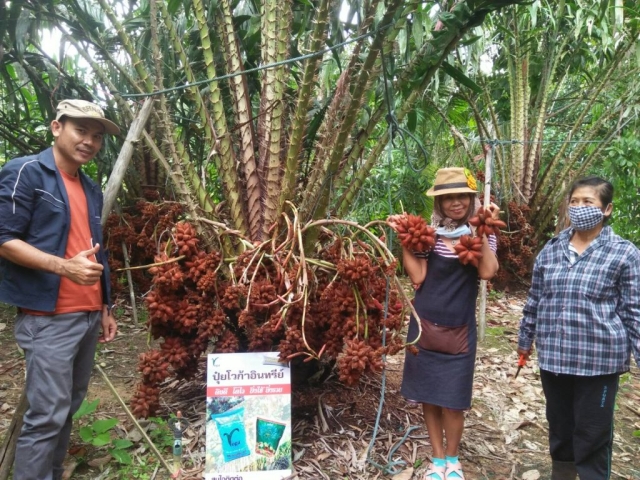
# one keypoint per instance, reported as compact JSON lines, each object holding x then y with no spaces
{"x":563,"y":470}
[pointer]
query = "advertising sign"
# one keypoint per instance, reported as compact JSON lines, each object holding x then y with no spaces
{"x":248,"y":428}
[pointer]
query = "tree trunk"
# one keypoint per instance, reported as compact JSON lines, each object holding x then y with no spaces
{"x":119,"y":169}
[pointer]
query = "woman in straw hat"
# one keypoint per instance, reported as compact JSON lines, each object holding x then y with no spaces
{"x":440,"y":376}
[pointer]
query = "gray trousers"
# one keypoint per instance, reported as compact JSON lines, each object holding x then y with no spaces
{"x":59,"y":352}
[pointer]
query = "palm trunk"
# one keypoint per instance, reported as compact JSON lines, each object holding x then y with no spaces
{"x":222,"y":145}
{"x":577,"y":125}
{"x":331,"y":125}
{"x":298,"y":126}
{"x":274,"y":111}
{"x":243,"y":118}
{"x":175,"y":172}
{"x":355,"y":103}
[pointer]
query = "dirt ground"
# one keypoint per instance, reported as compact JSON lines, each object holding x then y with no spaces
{"x":334,"y":426}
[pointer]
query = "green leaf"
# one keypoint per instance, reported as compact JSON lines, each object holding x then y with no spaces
{"x":101,"y":440}
{"x":636,"y":433}
{"x":173,"y":5}
{"x":101,"y":426}
{"x":417,"y":30}
{"x":87,"y":408}
{"x":412,"y":120}
{"x":336,"y":55}
{"x":460,"y":77}
{"x":470,"y":40}
{"x":121,"y":456}
{"x":121,"y":443}
{"x":86,"y":434}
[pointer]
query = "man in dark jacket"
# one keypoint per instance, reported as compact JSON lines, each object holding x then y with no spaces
{"x":54,"y":270}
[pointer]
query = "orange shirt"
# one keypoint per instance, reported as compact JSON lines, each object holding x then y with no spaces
{"x":73,"y":297}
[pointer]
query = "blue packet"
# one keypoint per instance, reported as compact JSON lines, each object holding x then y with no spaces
{"x":233,"y":435}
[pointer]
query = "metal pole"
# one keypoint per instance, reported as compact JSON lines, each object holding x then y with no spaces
{"x":482,"y":321}
{"x":132,"y":294}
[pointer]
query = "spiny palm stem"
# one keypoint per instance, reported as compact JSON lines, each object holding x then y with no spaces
{"x":204,"y":199}
{"x":355,"y":103}
{"x":274,"y":141}
{"x":174,"y":172}
{"x":544,"y":92}
{"x":332,"y":123}
{"x":401,"y":82}
{"x":536,"y":199}
{"x":518,"y":114}
{"x":446,"y":40}
{"x":242,"y":109}
{"x":551,"y":210}
{"x":126,"y":43}
{"x":228,"y":173}
{"x":560,"y":178}
{"x":298,"y":126}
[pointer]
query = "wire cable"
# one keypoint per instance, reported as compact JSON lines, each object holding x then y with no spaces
{"x":390,"y":468}
{"x":256,"y":69}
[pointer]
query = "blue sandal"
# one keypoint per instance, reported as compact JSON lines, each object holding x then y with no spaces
{"x":435,"y":473}
{"x":454,"y":471}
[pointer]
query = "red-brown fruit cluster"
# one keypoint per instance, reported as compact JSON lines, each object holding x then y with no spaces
{"x":175,"y":351}
{"x":146,"y":401}
{"x":291,"y":344}
{"x":516,"y":250}
{"x":186,"y":239}
{"x":234,"y":297}
{"x":161,"y":308}
{"x":263,"y":294}
{"x":138,"y":230}
{"x":227,"y":343}
{"x":468,"y":250}
{"x":414,"y":233}
{"x":202,"y":264}
{"x":485,"y":223}
{"x":359,"y":268}
{"x":358,"y":357}
{"x":168,"y":273}
{"x":196,"y":304}
{"x":153,"y":366}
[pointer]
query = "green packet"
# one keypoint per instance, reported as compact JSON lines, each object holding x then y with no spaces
{"x":233,"y":435}
{"x":268,"y":435}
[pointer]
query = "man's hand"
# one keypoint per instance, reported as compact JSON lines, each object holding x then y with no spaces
{"x":82,"y":269}
{"x":109,"y":326}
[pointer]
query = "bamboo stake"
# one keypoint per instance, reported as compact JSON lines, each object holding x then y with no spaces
{"x":152,"y":446}
{"x":482,"y":321}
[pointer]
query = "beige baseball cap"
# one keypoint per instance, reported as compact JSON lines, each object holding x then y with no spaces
{"x":84,"y":109}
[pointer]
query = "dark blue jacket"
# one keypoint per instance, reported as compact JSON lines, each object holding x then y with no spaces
{"x":34,"y":207}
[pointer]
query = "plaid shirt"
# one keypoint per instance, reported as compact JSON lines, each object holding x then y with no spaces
{"x":585,"y":315}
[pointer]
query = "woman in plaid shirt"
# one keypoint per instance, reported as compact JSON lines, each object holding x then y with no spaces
{"x":584,"y":312}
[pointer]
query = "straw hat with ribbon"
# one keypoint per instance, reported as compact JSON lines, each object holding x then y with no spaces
{"x":453,"y":180}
